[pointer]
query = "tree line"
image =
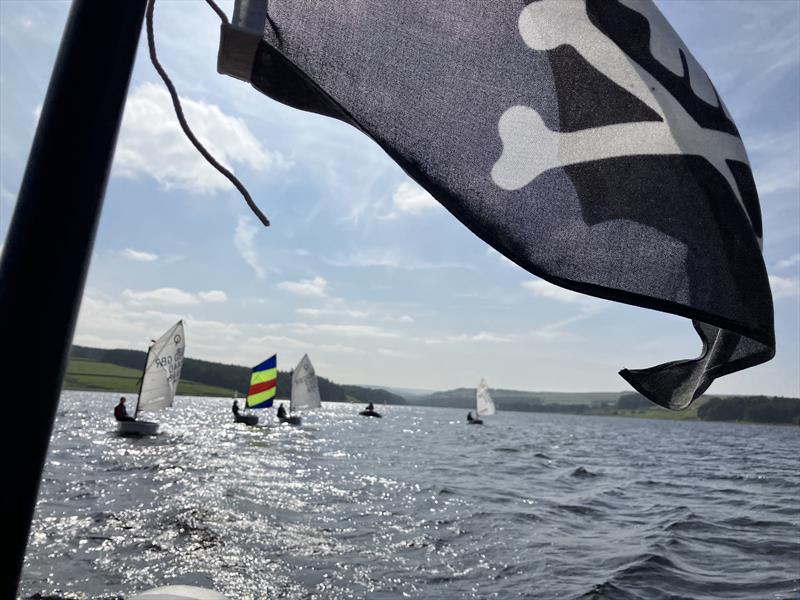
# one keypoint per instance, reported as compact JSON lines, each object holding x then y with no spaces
{"x":755,"y":409}
{"x":237,"y":378}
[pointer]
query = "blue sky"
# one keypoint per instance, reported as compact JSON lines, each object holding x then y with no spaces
{"x":361,"y":269}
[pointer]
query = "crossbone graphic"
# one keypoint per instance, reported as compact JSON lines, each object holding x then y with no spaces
{"x":530,"y":148}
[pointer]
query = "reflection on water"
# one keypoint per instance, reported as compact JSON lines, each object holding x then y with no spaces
{"x":416,"y":504}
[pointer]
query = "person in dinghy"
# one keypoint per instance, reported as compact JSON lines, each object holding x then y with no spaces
{"x":370,"y":411}
{"x":120,"y":412}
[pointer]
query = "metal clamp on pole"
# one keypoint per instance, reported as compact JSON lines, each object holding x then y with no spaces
{"x":49,"y":244}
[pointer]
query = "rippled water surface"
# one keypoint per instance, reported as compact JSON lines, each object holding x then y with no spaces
{"x":417,"y":505}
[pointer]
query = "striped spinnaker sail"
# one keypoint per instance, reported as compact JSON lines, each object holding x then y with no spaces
{"x":263,"y":383}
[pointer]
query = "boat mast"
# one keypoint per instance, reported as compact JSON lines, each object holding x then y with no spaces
{"x":141,"y":381}
{"x":52,"y":233}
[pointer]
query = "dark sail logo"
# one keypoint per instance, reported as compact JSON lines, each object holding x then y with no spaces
{"x":672,"y":105}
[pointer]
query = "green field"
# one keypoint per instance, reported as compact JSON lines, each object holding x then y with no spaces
{"x":83,"y":374}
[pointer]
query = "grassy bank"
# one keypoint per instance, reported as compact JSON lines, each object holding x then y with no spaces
{"x":92,"y":375}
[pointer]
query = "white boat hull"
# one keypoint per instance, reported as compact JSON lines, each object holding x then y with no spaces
{"x":137,"y":428}
{"x":179,"y":592}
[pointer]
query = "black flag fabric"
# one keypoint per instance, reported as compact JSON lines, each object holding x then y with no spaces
{"x":579,"y":138}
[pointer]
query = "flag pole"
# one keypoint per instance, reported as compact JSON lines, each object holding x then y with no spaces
{"x":49,"y":243}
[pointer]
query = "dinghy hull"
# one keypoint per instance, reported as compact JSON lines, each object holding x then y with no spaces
{"x":293,"y":420}
{"x":246,"y":419}
{"x":475,"y":422}
{"x":370,"y":413}
{"x":136,"y":428}
{"x":179,"y":592}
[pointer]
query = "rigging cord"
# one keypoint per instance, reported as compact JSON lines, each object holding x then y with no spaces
{"x":176,"y":103}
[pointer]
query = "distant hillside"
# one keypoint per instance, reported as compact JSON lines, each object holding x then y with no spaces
{"x":85,"y":374}
{"x":516,"y":399}
{"x":98,"y":369}
{"x":752,"y":409}
{"x":411,"y":394}
{"x":374,"y":395}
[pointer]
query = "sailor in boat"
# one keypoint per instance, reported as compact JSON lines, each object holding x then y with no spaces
{"x":469,"y":417}
{"x":370,"y":407}
{"x":281,"y":411}
{"x":235,"y":408}
{"x":120,"y":412}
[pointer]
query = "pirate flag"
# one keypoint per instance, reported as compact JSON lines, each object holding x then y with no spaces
{"x":579,"y":138}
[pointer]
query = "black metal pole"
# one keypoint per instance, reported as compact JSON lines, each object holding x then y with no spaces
{"x":49,"y":244}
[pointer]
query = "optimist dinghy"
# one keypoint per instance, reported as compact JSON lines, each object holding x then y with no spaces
{"x":160,"y":377}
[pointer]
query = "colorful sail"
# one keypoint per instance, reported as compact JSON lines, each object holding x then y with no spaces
{"x":263,"y":383}
{"x":163,"y":370}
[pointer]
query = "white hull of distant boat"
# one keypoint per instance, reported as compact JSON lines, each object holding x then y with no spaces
{"x":179,"y":592}
{"x":137,"y":428}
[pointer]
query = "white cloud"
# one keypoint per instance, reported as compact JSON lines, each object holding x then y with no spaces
{"x":784,"y":287}
{"x":787,"y":263}
{"x":368,"y":331}
{"x":107,"y":323}
{"x":555,"y":330}
{"x":6,"y":195}
{"x":306,"y":287}
{"x":151,"y":142}
{"x":213,"y":296}
{"x":330,"y":311}
{"x":545,"y":289}
{"x":775,"y":155}
{"x":502,"y":257}
{"x":244,"y":240}
{"x":406,"y":319}
{"x":172,"y":296}
{"x":391,"y":259}
{"x":388,"y":352}
{"x":483,"y":336}
{"x":139,"y":255}
{"x":409,"y":198}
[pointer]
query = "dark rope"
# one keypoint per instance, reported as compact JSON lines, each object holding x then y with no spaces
{"x":182,"y":120}
{"x":224,"y":18}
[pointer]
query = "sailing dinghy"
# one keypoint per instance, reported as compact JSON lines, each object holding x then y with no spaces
{"x":305,"y":391}
{"x":162,"y":372}
{"x":484,"y":403}
{"x":242,"y":417}
{"x":261,"y":393}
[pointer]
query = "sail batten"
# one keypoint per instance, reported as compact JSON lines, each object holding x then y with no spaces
{"x":305,"y":387}
{"x":162,"y":371}
{"x":485,"y":404}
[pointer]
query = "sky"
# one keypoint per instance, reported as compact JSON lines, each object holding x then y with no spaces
{"x":361,"y":268}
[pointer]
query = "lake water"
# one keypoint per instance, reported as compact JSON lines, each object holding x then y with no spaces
{"x":416,"y":505}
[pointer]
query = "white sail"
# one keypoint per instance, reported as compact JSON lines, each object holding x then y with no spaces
{"x":484,"y":400}
{"x":163,"y":370}
{"x":305,"y":389}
